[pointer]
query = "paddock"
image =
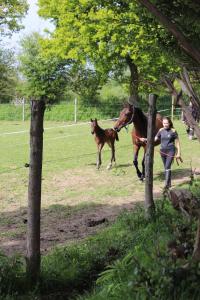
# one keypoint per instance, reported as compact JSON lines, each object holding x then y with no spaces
{"x":73,"y":191}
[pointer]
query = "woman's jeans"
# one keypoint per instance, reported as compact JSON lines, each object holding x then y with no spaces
{"x":167,"y":156}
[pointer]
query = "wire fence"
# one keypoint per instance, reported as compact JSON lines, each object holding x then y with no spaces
{"x":74,"y":111}
{"x":72,"y":115}
{"x":22,"y":165}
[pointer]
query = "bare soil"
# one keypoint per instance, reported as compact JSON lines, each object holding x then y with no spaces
{"x":66,"y":221}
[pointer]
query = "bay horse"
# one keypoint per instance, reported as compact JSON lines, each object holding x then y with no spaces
{"x":103,"y":136}
{"x":131,"y":114}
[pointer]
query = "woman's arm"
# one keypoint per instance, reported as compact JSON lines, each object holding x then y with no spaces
{"x":156,"y":138}
{"x":145,"y":139}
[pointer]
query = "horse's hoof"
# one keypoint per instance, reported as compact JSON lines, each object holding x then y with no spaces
{"x":109,"y":167}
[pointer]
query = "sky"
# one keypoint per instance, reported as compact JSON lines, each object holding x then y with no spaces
{"x":32,"y":22}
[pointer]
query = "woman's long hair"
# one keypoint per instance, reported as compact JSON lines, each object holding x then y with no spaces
{"x":170,"y":122}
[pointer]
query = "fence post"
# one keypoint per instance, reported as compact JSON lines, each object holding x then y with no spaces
{"x":75,"y":110}
{"x":23,"y":109}
{"x":172,"y":109}
{"x":149,"y":203}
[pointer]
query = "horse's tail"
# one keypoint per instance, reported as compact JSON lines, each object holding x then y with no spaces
{"x":117,"y":137}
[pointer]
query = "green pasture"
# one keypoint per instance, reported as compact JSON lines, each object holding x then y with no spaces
{"x":70,"y":155}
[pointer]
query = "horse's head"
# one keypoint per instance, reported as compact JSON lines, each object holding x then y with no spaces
{"x":126,"y":117}
{"x":93,"y":125}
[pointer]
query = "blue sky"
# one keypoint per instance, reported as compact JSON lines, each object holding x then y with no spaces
{"x":32,"y":22}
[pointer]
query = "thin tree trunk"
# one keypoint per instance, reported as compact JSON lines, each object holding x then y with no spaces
{"x":149,"y":203}
{"x":134,"y":80}
{"x":185,"y":44}
{"x":190,"y":89}
{"x":190,"y":120}
{"x":34,"y":190}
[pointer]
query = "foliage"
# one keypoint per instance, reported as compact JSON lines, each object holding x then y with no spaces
{"x":106,"y":33}
{"x":11,"y":273}
{"x":11,"y":12}
{"x":85,"y":81}
{"x":53,"y":77}
{"x":185,"y":15}
{"x":45,"y":78}
{"x":8,"y":76}
{"x":149,"y":271}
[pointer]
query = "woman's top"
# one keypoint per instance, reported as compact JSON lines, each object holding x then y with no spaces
{"x":167,"y":138}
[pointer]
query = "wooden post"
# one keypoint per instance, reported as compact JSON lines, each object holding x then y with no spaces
{"x":172,"y":110}
{"x":34,"y":191}
{"x":149,"y":203}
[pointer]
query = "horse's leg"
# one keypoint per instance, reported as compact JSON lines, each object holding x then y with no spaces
{"x":135,"y":162}
{"x":112,"y":146}
{"x":114,"y":159}
{"x":100,"y":147}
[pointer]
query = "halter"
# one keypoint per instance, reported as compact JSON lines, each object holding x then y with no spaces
{"x":130,"y":121}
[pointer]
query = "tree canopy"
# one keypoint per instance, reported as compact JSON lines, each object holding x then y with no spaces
{"x":11,"y":13}
{"x":45,"y":77}
{"x":8,"y":76}
{"x":181,"y":19}
{"x":107,"y":33}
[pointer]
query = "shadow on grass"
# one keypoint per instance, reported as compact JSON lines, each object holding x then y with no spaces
{"x":123,"y":166}
{"x":117,"y":166}
{"x":176,"y":174}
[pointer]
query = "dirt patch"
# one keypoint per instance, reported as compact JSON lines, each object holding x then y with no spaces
{"x":66,"y":219}
{"x":58,"y":228}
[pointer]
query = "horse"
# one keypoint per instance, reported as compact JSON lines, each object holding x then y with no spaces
{"x":131,"y":114}
{"x":103,"y":136}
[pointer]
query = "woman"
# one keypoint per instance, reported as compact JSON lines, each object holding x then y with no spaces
{"x":169,"y":144}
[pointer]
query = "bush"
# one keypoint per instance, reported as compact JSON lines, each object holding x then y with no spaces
{"x":11,"y":274}
{"x":149,"y":270}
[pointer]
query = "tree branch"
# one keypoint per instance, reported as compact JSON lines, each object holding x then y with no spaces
{"x":185,"y":44}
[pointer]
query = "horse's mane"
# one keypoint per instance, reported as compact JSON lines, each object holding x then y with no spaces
{"x":141,"y":114}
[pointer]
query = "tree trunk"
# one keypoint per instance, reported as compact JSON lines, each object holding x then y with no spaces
{"x":185,"y":44}
{"x":134,"y":81}
{"x":149,"y":203}
{"x":188,"y":86}
{"x":190,"y":120}
{"x":34,"y":190}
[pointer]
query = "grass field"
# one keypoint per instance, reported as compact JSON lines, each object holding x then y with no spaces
{"x":73,"y":190}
